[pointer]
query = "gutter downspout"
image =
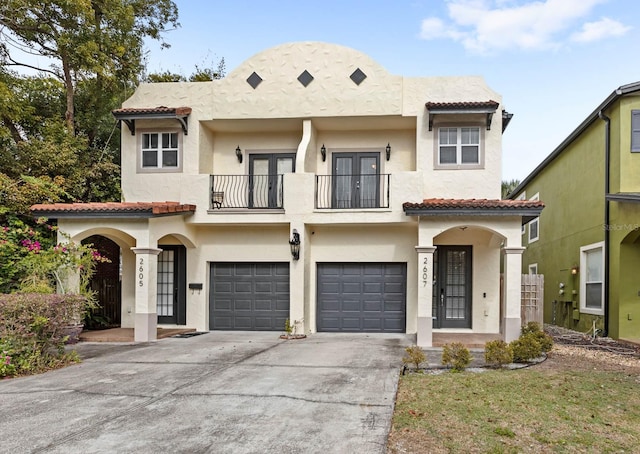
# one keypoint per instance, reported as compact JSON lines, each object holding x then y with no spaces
{"x":607,"y":153}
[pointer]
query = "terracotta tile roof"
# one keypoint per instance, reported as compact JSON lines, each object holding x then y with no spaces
{"x":463,"y":105}
{"x":528,"y":209}
{"x":112,"y":209}
{"x":476,"y":204}
{"x":152,"y":110}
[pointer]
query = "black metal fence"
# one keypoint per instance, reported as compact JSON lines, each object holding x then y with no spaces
{"x":352,"y":191}
{"x":247,"y":191}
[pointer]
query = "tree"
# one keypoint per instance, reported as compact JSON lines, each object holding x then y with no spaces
{"x":83,"y":39}
{"x":200,"y":74}
{"x":508,"y":186}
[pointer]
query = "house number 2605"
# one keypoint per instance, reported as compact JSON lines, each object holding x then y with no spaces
{"x":141,"y":272}
{"x":425,"y":274}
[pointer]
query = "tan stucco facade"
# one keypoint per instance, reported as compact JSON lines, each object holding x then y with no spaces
{"x":282,"y":116}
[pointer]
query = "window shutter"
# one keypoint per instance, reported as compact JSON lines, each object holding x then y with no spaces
{"x":635,"y":130}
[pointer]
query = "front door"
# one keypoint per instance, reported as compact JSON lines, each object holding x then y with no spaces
{"x":452,"y":287}
{"x":265,"y":178}
{"x":172,"y":293}
{"x":356,"y":180}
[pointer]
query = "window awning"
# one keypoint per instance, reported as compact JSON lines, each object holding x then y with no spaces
{"x":487,"y":108}
{"x":129,"y":115}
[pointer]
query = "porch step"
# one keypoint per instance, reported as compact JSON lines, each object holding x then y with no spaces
{"x":126,"y":334}
{"x":469,"y":340}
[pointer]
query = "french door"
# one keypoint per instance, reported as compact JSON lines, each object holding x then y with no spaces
{"x":452,"y":287}
{"x":356,"y":180}
{"x":265,"y":178}
{"x":172,"y":280}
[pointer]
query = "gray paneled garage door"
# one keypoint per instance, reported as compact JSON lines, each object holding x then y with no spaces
{"x":364,"y":297}
{"x":249,"y":296}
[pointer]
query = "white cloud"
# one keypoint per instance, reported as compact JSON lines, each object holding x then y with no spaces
{"x":604,"y":28}
{"x":484,"y":26}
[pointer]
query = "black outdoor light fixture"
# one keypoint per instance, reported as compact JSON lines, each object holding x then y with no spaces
{"x":294,"y":242}
{"x":388,"y":150}
{"x":239,"y":154}
{"x":323,"y":152}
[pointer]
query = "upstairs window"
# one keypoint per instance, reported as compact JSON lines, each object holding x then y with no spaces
{"x":635,"y":131}
{"x":459,"y":146}
{"x":160,"y":151}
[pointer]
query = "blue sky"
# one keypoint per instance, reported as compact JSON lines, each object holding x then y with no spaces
{"x":553,"y":61}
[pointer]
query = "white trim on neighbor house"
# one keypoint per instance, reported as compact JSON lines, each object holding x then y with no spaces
{"x":161,"y":166}
{"x":458,"y":164}
{"x":592,"y":274}
{"x":533,"y":268}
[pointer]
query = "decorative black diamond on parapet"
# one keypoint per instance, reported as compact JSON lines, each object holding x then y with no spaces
{"x":254,"y":80}
{"x":305,"y":78}
{"x":358,"y":76}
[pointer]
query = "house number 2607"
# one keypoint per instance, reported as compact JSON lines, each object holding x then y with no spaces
{"x":425,"y":274}
{"x":141,"y":273}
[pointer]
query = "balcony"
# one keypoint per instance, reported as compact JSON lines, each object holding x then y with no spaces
{"x":257,"y":192}
{"x":355,"y":191}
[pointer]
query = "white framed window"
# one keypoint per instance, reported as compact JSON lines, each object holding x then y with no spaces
{"x":459,"y":146}
{"x":592,"y":278}
{"x":160,"y":151}
{"x":533,"y":268}
{"x":534,"y":225}
{"x":635,"y":131}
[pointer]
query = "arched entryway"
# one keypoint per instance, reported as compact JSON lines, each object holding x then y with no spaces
{"x":106,"y":285}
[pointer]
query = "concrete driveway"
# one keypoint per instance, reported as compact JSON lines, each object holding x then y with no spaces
{"x":220,"y":392}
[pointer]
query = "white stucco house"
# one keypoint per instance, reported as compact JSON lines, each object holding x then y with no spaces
{"x":387,"y":186}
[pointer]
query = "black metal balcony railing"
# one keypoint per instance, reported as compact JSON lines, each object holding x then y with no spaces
{"x":247,"y":191}
{"x":352,"y":191}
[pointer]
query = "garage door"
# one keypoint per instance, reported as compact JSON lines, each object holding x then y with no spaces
{"x":249,"y":296}
{"x":362,"y":297}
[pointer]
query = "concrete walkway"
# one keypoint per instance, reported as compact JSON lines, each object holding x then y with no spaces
{"x":220,"y":392}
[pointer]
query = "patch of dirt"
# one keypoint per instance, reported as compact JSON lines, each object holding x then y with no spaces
{"x":577,"y":351}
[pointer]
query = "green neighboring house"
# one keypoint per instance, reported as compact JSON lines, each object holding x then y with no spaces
{"x":586,"y":242}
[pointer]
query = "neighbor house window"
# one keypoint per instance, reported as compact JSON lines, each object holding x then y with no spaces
{"x":534,"y":226}
{"x":592,"y":278}
{"x":160,"y":151}
{"x":523,"y":196}
{"x":459,"y":146}
{"x":635,"y":130}
{"x":533,"y":268}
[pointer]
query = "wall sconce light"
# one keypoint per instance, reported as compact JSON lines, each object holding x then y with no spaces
{"x":323,"y":152}
{"x":575,"y":269}
{"x":239,"y":154}
{"x":388,"y":150}
{"x":294,"y":242}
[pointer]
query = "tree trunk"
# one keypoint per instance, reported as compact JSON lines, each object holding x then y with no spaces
{"x":69,"y":115}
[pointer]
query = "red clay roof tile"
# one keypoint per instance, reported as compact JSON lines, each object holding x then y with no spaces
{"x":105,"y":208}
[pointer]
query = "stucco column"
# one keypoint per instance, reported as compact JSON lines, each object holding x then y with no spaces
{"x":146,"y":299}
{"x":512,"y":322}
{"x":296,"y":284}
{"x":425,"y":295}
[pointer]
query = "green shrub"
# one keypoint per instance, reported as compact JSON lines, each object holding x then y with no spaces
{"x":531,"y":327}
{"x":497,"y":353}
{"x":415,"y":356}
{"x":526,"y":348}
{"x":546,"y":341}
{"x":33,"y":329}
{"x":456,"y":356}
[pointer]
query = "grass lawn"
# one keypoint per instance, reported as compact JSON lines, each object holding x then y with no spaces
{"x":569,"y":403}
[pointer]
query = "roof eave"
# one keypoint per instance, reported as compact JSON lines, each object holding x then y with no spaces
{"x":617,"y":93}
{"x":527,"y":214}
